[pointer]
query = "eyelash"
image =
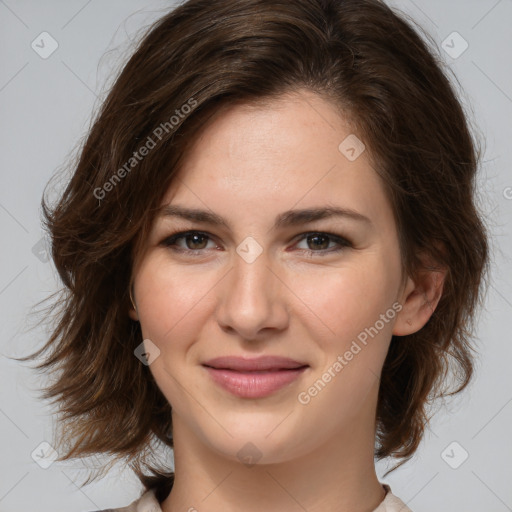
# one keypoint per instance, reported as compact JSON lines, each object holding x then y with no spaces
{"x":174,"y":237}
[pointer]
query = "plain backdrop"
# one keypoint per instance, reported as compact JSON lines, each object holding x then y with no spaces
{"x":46,"y":103}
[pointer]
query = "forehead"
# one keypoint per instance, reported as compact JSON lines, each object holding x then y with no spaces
{"x":275,"y":156}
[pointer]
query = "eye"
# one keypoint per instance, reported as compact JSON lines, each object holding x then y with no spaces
{"x":320,"y":241}
{"x":196,"y":241}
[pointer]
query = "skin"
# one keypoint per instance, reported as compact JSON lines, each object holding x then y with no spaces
{"x":250,"y":164}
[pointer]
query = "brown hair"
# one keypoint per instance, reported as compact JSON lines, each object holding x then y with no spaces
{"x":369,"y":62}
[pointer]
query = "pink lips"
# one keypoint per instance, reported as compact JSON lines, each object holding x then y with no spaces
{"x":255,"y":377}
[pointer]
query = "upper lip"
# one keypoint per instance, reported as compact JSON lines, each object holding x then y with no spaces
{"x":252,"y":364}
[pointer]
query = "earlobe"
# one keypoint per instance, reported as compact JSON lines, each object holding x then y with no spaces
{"x":419,"y":301}
{"x":133,"y":310}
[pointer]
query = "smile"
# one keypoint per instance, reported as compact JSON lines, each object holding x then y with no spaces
{"x":256,"y":383}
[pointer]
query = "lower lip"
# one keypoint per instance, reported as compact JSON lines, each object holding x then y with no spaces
{"x":254,"y":384}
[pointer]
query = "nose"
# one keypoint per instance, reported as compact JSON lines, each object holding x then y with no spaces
{"x":252,"y":301}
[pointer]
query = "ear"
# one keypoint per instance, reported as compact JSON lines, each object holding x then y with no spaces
{"x":419,"y":299}
{"x":132,"y":312}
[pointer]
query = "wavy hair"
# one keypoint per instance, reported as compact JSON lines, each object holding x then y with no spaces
{"x":370,"y":62}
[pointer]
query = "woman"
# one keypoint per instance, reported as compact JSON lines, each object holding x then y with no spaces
{"x":271,"y":258}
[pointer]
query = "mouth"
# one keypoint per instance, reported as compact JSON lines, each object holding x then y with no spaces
{"x":256,"y":377}
{"x":263,"y":363}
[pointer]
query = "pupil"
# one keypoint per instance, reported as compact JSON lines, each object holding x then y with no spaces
{"x":194,"y":237}
{"x":316,"y":237}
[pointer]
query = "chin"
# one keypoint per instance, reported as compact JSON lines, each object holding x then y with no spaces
{"x":270,"y":443}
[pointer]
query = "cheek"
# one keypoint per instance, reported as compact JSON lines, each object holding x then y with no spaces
{"x":169,"y":300}
{"x":343,"y":302}
{"x":350,"y":302}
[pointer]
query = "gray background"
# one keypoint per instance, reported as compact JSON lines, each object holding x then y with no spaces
{"x":46,"y":105}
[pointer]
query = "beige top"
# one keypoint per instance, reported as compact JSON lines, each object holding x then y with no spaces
{"x":148,"y":503}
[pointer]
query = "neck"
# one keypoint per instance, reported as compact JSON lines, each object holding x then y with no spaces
{"x":337,"y":476}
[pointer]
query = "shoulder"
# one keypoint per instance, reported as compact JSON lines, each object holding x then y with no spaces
{"x":146,"y":503}
{"x":392,"y":503}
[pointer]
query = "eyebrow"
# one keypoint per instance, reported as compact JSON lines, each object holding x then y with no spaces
{"x":285,"y":219}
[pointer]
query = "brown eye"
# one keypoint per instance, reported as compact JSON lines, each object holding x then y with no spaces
{"x":194,"y":241}
{"x":318,"y":243}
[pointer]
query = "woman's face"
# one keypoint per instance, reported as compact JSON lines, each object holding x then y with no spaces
{"x":324,"y":293}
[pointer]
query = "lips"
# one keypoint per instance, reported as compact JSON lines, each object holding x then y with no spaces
{"x":254,"y":377}
{"x":261,"y":364}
